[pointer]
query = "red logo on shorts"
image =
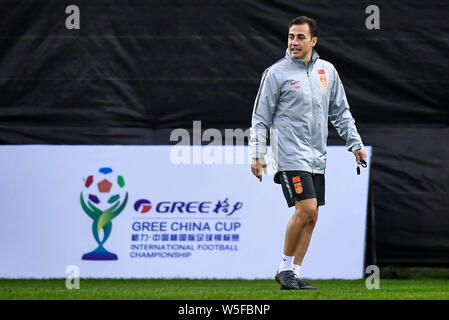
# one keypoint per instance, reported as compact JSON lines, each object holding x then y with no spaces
{"x":298,"y":185}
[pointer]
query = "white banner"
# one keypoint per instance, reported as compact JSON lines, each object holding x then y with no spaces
{"x":131,"y":212}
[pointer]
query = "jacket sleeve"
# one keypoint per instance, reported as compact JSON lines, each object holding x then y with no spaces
{"x":340,"y":116}
{"x":262,"y":117}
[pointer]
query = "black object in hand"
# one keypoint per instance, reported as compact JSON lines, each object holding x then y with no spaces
{"x":364,"y":165}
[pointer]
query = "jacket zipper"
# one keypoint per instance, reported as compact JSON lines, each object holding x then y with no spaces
{"x":312,"y":118}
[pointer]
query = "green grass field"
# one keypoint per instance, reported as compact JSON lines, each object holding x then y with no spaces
{"x":152,"y":289}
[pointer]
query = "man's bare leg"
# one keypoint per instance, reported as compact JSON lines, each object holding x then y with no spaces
{"x":303,"y":243}
{"x":300,"y":227}
{"x":305,"y":214}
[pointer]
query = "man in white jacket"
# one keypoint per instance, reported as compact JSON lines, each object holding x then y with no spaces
{"x":297,"y":96}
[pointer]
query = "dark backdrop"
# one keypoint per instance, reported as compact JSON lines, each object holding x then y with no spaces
{"x":137,"y":69}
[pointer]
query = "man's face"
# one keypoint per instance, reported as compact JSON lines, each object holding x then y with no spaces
{"x":300,"y":41}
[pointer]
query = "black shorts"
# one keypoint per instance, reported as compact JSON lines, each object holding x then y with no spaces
{"x":301,"y":185}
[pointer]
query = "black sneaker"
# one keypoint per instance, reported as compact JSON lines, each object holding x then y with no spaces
{"x":304,"y":285}
{"x":287,"y":280}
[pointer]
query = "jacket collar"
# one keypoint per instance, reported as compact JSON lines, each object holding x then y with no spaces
{"x":301,"y":62}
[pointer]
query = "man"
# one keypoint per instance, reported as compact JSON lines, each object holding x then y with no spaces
{"x":297,"y":96}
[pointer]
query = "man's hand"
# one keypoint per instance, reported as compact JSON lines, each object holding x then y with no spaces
{"x":257,"y":166}
{"x":359,"y":154}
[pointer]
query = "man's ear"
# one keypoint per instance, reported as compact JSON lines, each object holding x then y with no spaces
{"x":314,"y":40}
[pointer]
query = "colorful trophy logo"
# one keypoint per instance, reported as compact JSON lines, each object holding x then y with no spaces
{"x":102,"y":205}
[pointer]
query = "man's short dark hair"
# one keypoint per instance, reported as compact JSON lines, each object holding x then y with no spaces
{"x":303,"y":19}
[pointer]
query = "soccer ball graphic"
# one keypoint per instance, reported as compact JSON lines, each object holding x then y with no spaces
{"x":104,"y":188}
{"x":102,"y":199}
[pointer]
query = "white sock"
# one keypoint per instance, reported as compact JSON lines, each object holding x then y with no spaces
{"x":286,"y":263}
{"x":296,"y":270}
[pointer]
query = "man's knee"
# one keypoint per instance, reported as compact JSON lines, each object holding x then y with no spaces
{"x":307,"y":211}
